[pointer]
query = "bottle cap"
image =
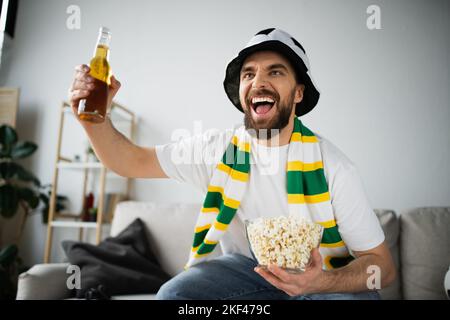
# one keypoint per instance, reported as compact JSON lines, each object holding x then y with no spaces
{"x":105,"y":30}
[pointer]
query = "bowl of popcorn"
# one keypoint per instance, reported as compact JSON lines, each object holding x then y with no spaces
{"x":284,"y":241}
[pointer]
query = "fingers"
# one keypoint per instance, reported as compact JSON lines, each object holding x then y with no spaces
{"x":83,"y":76}
{"x":83,"y":84}
{"x":280,"y":273}
{"x":76,"y":95}
{"x":82,"y":68}
{"x":82,"y":73}
{"x":275,"y":281}
{"x":115,"y":84}
{"x":269,"y":277}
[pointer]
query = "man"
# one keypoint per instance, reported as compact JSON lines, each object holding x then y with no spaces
{"x":271,"y":166}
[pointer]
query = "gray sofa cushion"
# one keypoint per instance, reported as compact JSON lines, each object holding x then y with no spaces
{"x":390,"y":224}
{"x":44,"y":282}
{"x":425,"y":252}
{"x":171,"y":228}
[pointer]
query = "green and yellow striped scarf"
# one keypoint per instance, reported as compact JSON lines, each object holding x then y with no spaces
{"x":307,"y":195}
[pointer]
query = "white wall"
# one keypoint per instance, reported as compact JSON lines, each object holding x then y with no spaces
{"x":384,"y":101}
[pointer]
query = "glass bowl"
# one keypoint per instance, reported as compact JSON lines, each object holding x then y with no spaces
{"x":274,"y":240}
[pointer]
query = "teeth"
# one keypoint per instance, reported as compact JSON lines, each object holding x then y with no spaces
{"x":262,"y":99}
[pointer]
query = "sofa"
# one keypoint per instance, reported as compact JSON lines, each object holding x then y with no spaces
{"x":419,"y":240}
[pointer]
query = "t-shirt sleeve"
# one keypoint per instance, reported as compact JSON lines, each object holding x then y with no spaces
{"x":192,"y":159}
{"x":358,"y":224}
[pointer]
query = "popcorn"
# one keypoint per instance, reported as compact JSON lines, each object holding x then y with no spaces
{"x":284,"y":241}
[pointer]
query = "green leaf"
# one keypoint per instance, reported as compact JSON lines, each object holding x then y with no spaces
{"x":23,"y":149}
{"x":26,"y":175}
{"x":46,"y":186}
{"x":9,"y":201}
{"x":8,"y":169}
{"x":34,"y":202}
{"x":60,"y":207}
{"x":5,"y":153}
{"x":44,"y":198}
{"x":29,"y":196}
{"x":8,"y":136}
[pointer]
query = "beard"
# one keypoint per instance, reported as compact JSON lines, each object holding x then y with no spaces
{"x":272,"y":127}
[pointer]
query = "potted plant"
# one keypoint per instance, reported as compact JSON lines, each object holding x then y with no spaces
{"x":19,"y":195}
{"x":19,"y":188}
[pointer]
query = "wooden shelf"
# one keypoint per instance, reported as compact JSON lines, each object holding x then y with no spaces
{"x":119,"y":114}
{"x":73,"y":224}
{"x":73,"y":220}
{"x":87,"y":165}
{"x":79,"y":165}
{"x":65,"y":215}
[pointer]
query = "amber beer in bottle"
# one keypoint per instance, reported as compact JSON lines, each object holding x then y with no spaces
{"x":93,"y":108}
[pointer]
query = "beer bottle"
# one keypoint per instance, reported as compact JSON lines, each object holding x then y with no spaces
{"x":93,"y":108}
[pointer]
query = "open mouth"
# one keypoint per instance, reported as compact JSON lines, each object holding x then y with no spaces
{"x":262,"y":105}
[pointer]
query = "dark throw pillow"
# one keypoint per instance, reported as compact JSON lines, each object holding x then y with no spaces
{"x":119,"y":265}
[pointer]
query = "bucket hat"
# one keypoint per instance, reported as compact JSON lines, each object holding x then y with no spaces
{"x":274,"y":39}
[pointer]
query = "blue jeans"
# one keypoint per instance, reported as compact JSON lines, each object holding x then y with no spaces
{"x":231,"y":277}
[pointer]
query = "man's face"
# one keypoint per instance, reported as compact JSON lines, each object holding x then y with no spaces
{"x":268,"y":91}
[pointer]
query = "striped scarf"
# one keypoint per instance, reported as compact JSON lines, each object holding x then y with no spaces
{"x":307,"y":195}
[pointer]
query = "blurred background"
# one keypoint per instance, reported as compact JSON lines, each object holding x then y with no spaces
{"x":384,"y":92}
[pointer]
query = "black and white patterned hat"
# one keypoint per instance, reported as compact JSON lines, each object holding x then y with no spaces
{"x":281,"y":42}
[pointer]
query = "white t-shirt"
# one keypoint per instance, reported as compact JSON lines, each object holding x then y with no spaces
{"x":192,"y":160}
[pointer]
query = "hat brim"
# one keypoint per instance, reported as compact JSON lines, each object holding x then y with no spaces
{"x":232,"y":76}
